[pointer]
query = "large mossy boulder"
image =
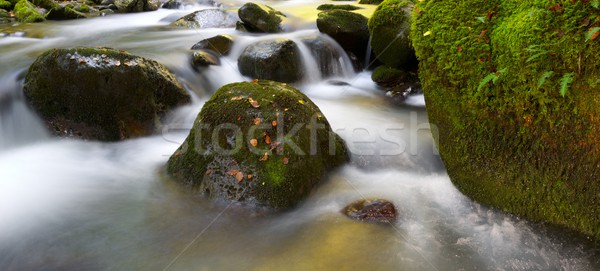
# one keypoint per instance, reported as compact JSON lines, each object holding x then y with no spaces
{"x":349,"y":29}
{"x":513,"y":89}
{"x":207,"y":18}
{"x":100,"y":93}
{"x":261,"y":143}
{"x":390,"y":34}
{"x":277,"y":60}
{"x":26,"y":12}
{"x":260,"y":18}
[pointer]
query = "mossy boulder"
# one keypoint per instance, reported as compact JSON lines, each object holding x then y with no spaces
{"x":26,"y":12}
{"x":101,"y":93}
{"x":277,"y":60}
{"x":260,"y":18}
{"x":5,"y":17}
{"x":512,"y":87}
{"x":347,"y":28}
{"x":6,"y":5}
{"x":377,"y":211}
{"x":262,"y":143}
{"x":370,"y":2}
{"x":207,"y":18}
{"x":342,"y":7}
{"x":128,"y":6}
{"x":221,"y":44}
{"x":390,"y":34}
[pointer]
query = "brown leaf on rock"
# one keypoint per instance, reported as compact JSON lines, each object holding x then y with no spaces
{"x":256,"y":121}
{"x":236,"y":98}
{"x":285,"y":160}
{"x":253,"y":142}
{"x":265,"y":157}
{"x":253,"y":102}
{"x":557,"y":8}
{"x":239,"y":176}
{"x":274,"y":123}
{"x":249,"y":176}
{"x":267,"y":139}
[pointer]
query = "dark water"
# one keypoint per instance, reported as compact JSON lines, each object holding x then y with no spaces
{"x":73,"y":205}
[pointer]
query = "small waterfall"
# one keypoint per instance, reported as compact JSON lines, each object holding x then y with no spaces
{"x":18,"y":125}
{"x":368,"y":54}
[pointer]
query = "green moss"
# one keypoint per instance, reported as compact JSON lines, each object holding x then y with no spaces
{"x":25,"y":12}
{"x":285,"y":161}
{"x":515,"y":142}
{"x":384,"y":74}
{"x":389,"y":27}
{"x":342,"y":7}
{"x":83,"y":8}
{"x":5,"y":5}
{"x":370,"y":2}
{"x":260,"y":18}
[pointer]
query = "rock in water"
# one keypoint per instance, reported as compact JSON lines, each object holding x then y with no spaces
{"x":260,"y":18}
{"x":262,"y":143}
{"x":207,"y":18}
{"x":390,"y":40}
{"x":277,"y":60}
{"x":372,"y":211}
{"x":220,"y":43}
{"x":126,"y":6}
{"x":349,"y":29}
{"x":101,"y":93}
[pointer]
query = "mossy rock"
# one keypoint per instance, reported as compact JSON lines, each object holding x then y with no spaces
{"x":207,"y":18}
{"x":277,"y":60}
{"x":370,"y":2}
{"x":387,"y":76}
{"x":347,"y":28}
{"x":325,"y":7}
{"x":25,"y":12}
{"x":101,"y":93}
{"x":260,"y":18}
{"x":128,"y":6}
{"x":512,"y":87}
{"x":5,"y":17}
{"x":6,"y":5}
{"x":390,"y":34}
{"x":204,"y":58}
{"x":252,"y":142}
{"x":220,"y":43}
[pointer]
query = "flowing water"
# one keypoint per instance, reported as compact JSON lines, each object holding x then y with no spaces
{"x":73,"y":205}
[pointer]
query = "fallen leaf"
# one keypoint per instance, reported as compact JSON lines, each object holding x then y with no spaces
{"x":557,"y":8}
{"x":256,"y":121}
{"x":82,"y":61}
{"x":208,"y":172}
{"x":255,"y":81}
{"x":427,"y":33}
{"x":253,"y":102}
{"x":285,"y":160}
{"x":127,"y":63}
{"x":253,"y":142}
{"x":117,"y":63}
{"x":265,"y":157}
{"x":232,"y":172}
{"x":274,"y":123}
{"x":301,"y":101}
{"x":103,"y":56}
{"x":267,"y":140}
{"x":459,"y":48}
{"x":239,"y":176}
{"x":236,"y":98}
{"x":249,"y":176}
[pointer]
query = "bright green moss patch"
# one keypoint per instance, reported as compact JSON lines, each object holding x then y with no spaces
{"x":25,"y":12}
{"x":5,"y":5}
{"x":263,"y":143}
{"x":511,"y":87}
{"x":389,"y":27}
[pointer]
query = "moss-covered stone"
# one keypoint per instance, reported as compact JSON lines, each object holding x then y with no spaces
{"x":207,"y":18}
{"x":347,"y":28}
{"x":252,"y":142}
{"x":260,"y":18}
{"x":127,"y":6}
{"x":370,"y":2}
{"x":25,"y":12}
{"x":390,"y":34}
{"x":512,"y":87}
{"x":5,"y":17}
{"x":220,"y":43}
{"x":101,"y":93}
{"x":342,"y":7}
{"x":277,"y":60}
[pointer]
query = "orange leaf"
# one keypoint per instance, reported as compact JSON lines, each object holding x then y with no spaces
{"x":256,"y":121}
{"x":239,"y":176}
{"x":249,"y":176}
{"x":285,"y":160}
{"x":236,"y":98}
{"x":265,"y":157}
{"x":253,"y":102}
{"x":595,"y":35}
{"x":267,"y":140}
{"x":253,"y":142}
{"x":274,"y":123}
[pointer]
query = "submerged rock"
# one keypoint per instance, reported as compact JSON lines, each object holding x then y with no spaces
{"x":262,"y":143}
{"x":390,"y":28}
{"x":277,"y":60}
{"x":220,"y":44}
{"x":349,"y":29}
{"x":101,"y":93}
{"x":371,"y":211}
{"x":207,"y":18}
{"x":204,"y":58}
{"x":260,"y":18}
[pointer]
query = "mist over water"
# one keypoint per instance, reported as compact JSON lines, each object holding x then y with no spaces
{"x":67,"y":204}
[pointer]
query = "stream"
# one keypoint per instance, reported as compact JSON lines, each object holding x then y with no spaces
{"x":67,"y":204}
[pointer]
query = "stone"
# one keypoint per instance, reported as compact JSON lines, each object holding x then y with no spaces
{"x":262,"y":144}
{"x":220,"y":44}
{"x":277,"y":60}
{"x":390,"y":34}
{"x":101,"y":93}
{"x":349,"y":29}
{"x":207,"y":18}
{"x":260,"y":18}
{"x":377,"y":211}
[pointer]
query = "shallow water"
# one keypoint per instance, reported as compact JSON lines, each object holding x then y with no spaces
{"x":73,"y":205}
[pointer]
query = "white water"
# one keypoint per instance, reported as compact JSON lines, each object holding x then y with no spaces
{"x":74,"y":205}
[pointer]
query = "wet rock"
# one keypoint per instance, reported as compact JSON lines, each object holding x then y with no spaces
{"x":347,"y":28}
{"x":220,"y":44}
{"x":325,"y":52}
{"x":203,"y":58}
{"x":127,"y":6}
{"x":390,"y":27}
{"x":371,"y":211}
{"x":101,"y":93}
{"x":251,"y":143}
{"x":207,"y":18}
{"x":26,"y":12}
{"x":172,"y":4}
{"x":260,"y":18}
{"x":277,"y":60}
{"x":5,"y":17}
{"x":342,"y":7}
{"x":370,"y":2}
